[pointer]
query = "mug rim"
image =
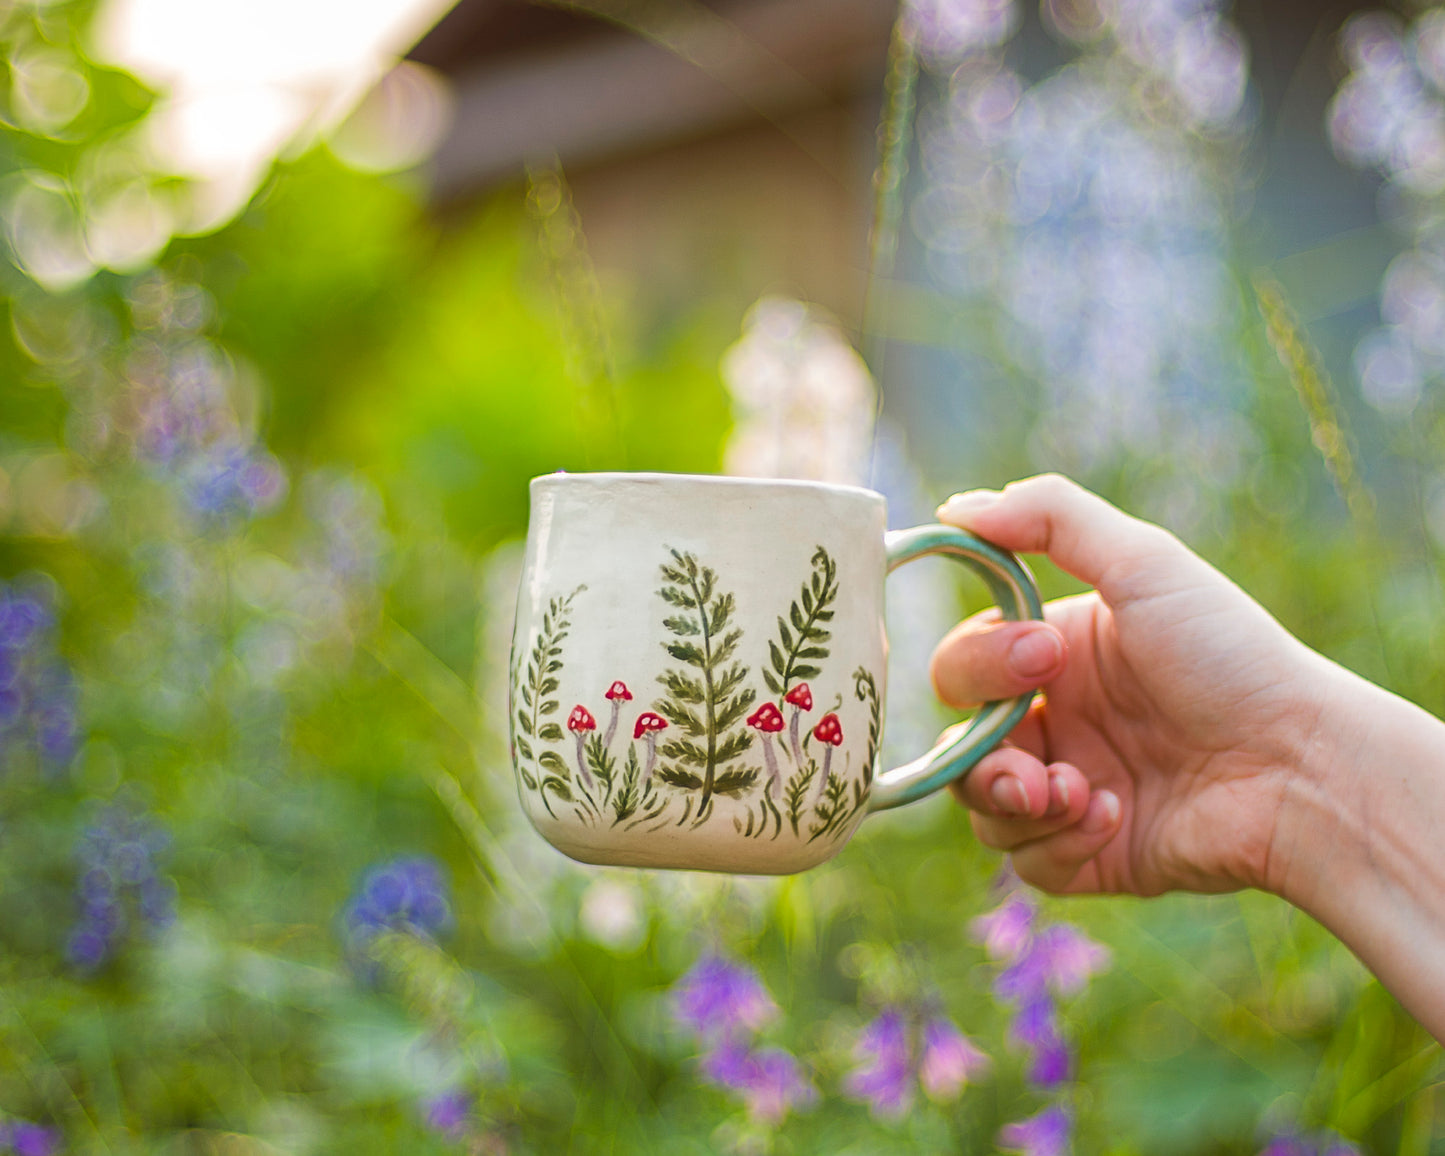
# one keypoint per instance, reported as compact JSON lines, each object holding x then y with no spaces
{"x":731,"y":481}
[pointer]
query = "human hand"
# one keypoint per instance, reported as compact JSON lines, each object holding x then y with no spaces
{"x":1175,"y":709}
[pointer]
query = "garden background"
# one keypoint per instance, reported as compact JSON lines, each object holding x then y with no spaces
{"x":265,"y":435}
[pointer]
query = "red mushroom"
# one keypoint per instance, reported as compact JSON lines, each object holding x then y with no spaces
{"x":617,"y":694}
{"x":648,"y":724}
{"x":579,"y":722}
{"x":768,"y":720}
{"x":800,"y":698}
{"x":830,"y":731}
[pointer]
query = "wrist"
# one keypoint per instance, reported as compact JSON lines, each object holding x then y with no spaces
{"x":1319,"y":803}
{"x":1358,"y":832}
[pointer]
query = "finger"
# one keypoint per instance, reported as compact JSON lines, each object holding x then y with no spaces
{"x":981,"y":661}
{"x":1055,"y":862}
{"x":1006,"y":782}
{"x":1066,"y":801}
{"x":1122,"y":556}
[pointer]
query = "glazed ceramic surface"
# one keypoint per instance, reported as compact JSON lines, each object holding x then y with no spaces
{"x":698,"y":668}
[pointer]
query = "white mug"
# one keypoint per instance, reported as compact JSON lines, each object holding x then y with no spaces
{"x":699,"y":663}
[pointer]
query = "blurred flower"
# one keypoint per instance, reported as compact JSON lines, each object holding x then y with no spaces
{"x":1007,"y":929}
{"x":1389,"y":115}
{"x":1047,"y":1134}
{"x":894,"y":1048}
{"x":348,"y":513}
{"x":725,"y":1004}
{"x":26,"y":1139}
{"x":948,"y":30}
{"x":949,"y":1060}
{"x":449,"y":1114}
{"x":884,"y":1076}
{"x":804,"y":400}
{"x":1083,"y":211}
{"x":771,"y":1081}
{"x":37,"y":692}
{"x":717,"y":997}
{"x":406,"y":894}
{"x":1041,"y":962}
{"x":222,"y":481}
{"x":118,"y":884}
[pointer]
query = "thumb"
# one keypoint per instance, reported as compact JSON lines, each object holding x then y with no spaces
{"x":1121,"y":556}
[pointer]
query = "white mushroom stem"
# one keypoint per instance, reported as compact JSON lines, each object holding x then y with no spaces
{"x":651,"y":739}
{"x":612,"y":726}
{"x":827,"y":765}
{"x":793,"y":734}
{"x":582,"y":757}
{"x":773,"y":777}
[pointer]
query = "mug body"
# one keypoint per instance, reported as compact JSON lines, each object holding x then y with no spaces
{"x":697,"y":670}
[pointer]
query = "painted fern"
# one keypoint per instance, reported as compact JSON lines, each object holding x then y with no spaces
{"x":532,"y":724}
{"x":705,"y":698}
{"x":802,"y":636}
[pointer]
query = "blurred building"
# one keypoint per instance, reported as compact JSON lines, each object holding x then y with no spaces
{"x":729,"y":144}
{"x":734,"y":138}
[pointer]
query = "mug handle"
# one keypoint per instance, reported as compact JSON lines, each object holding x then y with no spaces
{"x":1017,"y":595}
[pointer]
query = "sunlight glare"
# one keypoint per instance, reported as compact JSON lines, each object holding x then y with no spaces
{"x":244,"y":80}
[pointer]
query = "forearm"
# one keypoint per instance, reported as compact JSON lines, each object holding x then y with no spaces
{"x":1360,"y":842}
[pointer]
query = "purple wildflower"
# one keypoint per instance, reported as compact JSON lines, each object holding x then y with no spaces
{"x":728,"y":1064}
{"x":1035,"y":1023}
{"x":1051,"y":1063}
{"x":725,"y":1004}
{"x":38,"y":697}
{"x":1006,"y":930}
{"x":949,"y":1060}
{"x":1071,"y":958}
{"x":406,"y":894}
{"x":449,"y":1114}
{"x":1026,"y":979}
{"x":1046,"y":1134}
{"x":118,"y":880}
{"x":772,"y":1083}
{"x":26,"y":1139}
{"x":885,"y":1075}
{"x":22,"y":619}
{"x":1042,"y":962}
{"x":226,"y":480}
{"x":717,"y":997}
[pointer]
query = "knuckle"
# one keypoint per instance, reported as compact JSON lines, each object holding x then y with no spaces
{"x":1050,"y":486}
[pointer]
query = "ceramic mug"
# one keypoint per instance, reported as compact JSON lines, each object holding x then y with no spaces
{"x":698,"y":668}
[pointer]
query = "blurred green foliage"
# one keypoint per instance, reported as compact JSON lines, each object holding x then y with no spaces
{"x":303,"y":687}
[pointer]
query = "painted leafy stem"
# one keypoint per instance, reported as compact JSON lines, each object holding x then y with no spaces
{"x":706,"y":699}
{"x":801,"y":637}
{"x":532,"y":719}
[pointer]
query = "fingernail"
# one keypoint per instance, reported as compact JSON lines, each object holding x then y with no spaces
{"x":1102,"y":814}
{"x":1058,"y":795}
{"x":1036,"y":654}
{"x":961,"y":507}
{"x":1009,"y":795}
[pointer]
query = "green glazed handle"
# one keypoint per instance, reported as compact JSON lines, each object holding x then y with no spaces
{"x":1017,"y":595}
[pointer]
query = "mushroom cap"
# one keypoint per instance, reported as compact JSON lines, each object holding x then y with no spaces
{"x":767,"y":718}
{"x":619,"y":690}
{"x":581,"y":719}
{"x":829,"y":730}
{"x":800,"y":696}
{"x":647,"y":722}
